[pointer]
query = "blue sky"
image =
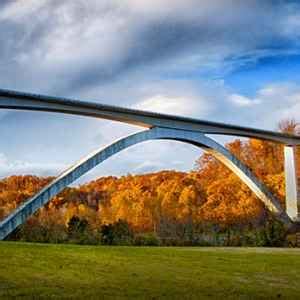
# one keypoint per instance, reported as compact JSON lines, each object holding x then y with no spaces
{"x":229,"y":61}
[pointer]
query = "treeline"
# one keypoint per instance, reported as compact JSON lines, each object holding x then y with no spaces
{"x":207,"y":206}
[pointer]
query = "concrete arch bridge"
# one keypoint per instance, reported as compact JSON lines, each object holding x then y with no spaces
{"x":158,"y":127}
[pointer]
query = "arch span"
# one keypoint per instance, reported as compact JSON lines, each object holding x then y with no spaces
{"x":21,"y":214}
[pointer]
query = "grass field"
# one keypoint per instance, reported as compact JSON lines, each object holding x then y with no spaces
{"x":67,"y":271}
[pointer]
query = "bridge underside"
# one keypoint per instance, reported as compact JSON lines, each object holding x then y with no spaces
{"x":21,"y":214}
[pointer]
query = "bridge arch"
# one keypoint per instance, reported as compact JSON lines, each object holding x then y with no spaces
{"x":22,"y":213}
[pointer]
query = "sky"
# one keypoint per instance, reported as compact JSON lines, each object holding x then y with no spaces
{"x":230,"y":61}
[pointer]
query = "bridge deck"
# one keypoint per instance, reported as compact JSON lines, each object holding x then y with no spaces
{"x":24,"y":101}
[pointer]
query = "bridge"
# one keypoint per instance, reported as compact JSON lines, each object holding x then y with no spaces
{"x":158,"y":127}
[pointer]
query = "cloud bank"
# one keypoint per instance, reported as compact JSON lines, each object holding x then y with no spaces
{"x":69,"y":45}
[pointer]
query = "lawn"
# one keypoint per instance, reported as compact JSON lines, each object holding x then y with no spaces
{"x":97,"y":272}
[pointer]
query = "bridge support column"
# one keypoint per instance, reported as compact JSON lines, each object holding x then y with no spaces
{"x":292,"y":184}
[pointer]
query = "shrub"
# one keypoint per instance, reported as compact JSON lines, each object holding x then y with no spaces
{"x":34,"y":231}
{"x":118,"y":233}
{"x":147,"y":239}
{"x":78,"y":231}
{"x":272,"y":234}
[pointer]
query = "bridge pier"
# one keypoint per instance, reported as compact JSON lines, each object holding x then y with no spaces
{"x":292,"y":183}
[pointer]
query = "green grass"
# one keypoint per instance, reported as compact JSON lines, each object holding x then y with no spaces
{"x":37,"y":271}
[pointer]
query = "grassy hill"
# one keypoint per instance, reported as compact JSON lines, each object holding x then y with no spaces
{"x":69,"y":271}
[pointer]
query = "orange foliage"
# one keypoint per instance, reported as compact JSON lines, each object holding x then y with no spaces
{"x":155,"y":202}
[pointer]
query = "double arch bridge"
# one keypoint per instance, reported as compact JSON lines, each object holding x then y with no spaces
{"x":159,"y":127}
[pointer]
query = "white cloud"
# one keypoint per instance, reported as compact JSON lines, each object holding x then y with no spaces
{"x":185,"y":106}
{"x":270,"y":104}
{"x":3,"y":160}
{"x":8,"y":168}
{"x":18,"y":10}
{"x":154,"y":166}
{"x":148,"y":166}
{"x":240,"y":100}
